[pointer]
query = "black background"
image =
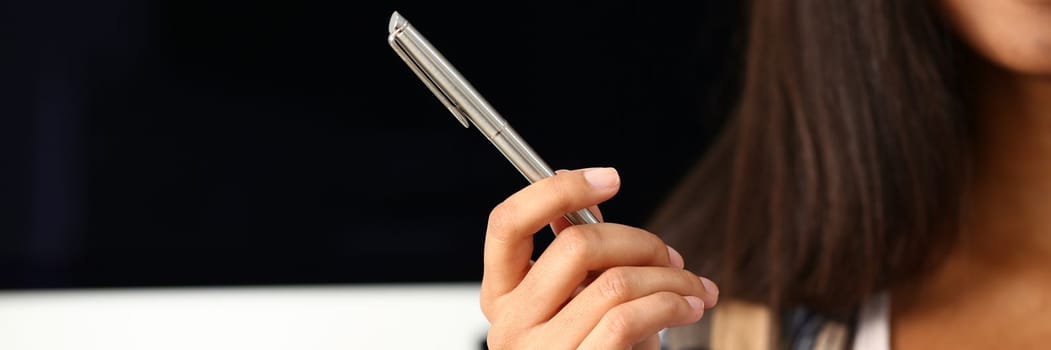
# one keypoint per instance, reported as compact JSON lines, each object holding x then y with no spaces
{"x":161,"y":143}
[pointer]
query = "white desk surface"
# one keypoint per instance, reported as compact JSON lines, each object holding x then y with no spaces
{"x":416,"y":316}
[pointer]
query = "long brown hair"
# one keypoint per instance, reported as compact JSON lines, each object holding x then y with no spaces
{"x":840,"y":171}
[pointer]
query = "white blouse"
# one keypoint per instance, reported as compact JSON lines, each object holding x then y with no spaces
{"x":873,"y":332}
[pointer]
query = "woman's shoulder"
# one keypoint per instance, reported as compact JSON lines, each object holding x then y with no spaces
{"x":742,"y":325}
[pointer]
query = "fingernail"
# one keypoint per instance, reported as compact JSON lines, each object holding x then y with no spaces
{"x":602,"y":178}
{"x":710,"y":286}
{"x":675,"y":259}
{"x":695,"y":302}
{"x":559,"y":171}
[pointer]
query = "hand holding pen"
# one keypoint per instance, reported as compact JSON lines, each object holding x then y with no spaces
{"x":598,"y":285}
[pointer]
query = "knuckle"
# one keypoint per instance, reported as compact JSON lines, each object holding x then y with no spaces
{"x":655,"y":243}
{"x":564,"y":192}
{"x":560,"y":190}
{"x":501,"y":218}
{"x":669,"y":302}
{"x":696,"y":288}
{"x":503,"y":331}
{"x":655,"y":246}
{"x":498,"y":338}
{"x":487,"y":307}
{"x":575,"y":242}
{"x":620,"y":323}
{"x":690,"y":279}
{"x":647,"y":240}
{"x":554,"y":184}
{"x":615,"y":284}
{"x":674,"y":308}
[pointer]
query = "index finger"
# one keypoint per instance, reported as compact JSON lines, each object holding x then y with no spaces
{"x":509,"y":236}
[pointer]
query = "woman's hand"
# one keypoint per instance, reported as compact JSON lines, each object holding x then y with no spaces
{"x":600,"y":286}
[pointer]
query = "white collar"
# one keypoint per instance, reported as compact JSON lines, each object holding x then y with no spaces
{"x":873,"y":328}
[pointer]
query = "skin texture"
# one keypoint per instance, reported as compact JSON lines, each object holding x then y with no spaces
{"x":994,"y":290}
{"x":599,"y":286}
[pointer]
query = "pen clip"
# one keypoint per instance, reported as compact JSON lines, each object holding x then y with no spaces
{"x":397,"y":25}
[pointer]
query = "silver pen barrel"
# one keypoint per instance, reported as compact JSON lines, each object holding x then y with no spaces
{"x":467,"y":105}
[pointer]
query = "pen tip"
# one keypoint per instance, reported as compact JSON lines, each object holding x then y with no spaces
{"x":397,"y":22}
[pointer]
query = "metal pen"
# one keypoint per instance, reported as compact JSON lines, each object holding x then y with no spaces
{"x":467,"y":105}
